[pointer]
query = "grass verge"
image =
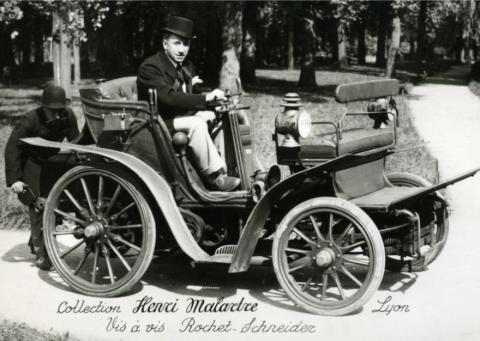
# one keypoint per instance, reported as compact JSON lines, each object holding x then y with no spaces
{"x":13,"y":331}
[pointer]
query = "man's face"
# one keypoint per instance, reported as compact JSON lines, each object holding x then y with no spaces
{"x":176,"y":47}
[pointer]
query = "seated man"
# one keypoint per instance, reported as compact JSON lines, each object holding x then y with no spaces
{"x":172,"y":77}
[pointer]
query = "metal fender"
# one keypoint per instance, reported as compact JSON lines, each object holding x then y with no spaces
{"x":256,"y":220}
{"x":155,"y":183}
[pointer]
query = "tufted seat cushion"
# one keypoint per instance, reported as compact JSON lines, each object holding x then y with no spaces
{"x":353,"y":141}
{"x":124,"y":88}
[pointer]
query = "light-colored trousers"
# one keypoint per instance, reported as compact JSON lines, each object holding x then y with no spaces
{"x":205,"y":152}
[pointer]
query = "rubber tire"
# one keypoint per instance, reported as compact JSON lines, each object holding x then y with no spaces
{"x":412,"y":180}
{"x":354,"y":213}
{"x":149,"y":232}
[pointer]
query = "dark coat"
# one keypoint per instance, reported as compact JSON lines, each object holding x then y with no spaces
{"x":24,"y":164}
{"x":159,"y":72}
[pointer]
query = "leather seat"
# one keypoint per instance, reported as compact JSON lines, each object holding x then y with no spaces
{"x":353,"y":141}
{"x":124,"y":88}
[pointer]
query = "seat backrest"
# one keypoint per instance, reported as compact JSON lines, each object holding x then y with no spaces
{"x":358,"y":91}
{"x":117,"y":96}
{"x":121,"y":88}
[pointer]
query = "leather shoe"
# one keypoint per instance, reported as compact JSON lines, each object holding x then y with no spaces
{"x":223,"y":182}
{"x":43,"y":263}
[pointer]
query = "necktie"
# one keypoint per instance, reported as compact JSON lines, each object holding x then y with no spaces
{"x":180,"y":77}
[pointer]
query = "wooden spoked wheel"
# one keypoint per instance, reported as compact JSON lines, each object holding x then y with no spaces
{"x":328,"y":256}
{"x":99,"y":230}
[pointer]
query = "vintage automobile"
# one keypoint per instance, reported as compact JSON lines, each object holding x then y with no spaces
{"x":127,"y":192}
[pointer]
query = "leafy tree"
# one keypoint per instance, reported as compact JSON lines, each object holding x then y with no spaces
{"x":10,"y":13}
{"x":68,"y":32}
{"x":247,"y":62}
{"x":232,"y":44}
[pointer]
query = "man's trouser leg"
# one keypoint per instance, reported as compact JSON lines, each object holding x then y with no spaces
{"x":205,"y":153}
{"x":36,"y":233}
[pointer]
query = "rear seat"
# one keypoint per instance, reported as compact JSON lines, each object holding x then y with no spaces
{"x":353,"y":141}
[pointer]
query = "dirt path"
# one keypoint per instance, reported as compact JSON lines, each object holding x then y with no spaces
{"x":443,"y":302}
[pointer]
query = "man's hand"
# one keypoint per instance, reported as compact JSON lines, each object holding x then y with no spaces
{"x":196,"y":80}
{"x":214,"y":95}
{"x":18,"y":187}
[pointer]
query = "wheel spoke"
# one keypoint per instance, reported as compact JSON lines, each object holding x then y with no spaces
{"x":124,"y":227}
{"x":344,"y":233}
{"x":324,"y":286}
{"x":330,"y":226}
{"x":59,"y":233}
{"x":118,"y":238}
{"x":316,"y":228}
{"x":352,"y":246}
{"x":303,"y":252}
{"x":339,"y":285}
{"x":352,"y":277}
{"x":303,"y":236}
{"x":100,"y":193}
{"x":299,"y":263}
{"x":87,"y":195}
{"x":307,"y":284}
{"x":95,"y":263}
{"x":71,"y":217}
{"x":79,"y":207}
{"x":114,"y":199}
{"x":123,"y":210}
{"x":67,"y":251}
{"x":109,"y":265}
{"x":79,"y":266}
{"x":119,"y":255}
{"x":355,"y":261}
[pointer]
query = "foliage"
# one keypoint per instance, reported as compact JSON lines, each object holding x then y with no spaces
{"x":72,"y":14}
{"x":10,"y":11}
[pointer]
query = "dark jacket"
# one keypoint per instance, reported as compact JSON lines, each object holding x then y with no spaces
{"x":159,"y":72}
{"x":23,"y":164}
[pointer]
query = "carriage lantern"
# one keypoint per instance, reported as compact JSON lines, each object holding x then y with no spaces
{"x":293,"y":123}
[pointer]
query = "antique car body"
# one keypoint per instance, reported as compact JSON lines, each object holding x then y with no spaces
{"x":337,"y":216}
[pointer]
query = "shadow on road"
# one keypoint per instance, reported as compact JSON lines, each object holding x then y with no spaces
{"x":209,"y":280}
{"x":18,"y":253}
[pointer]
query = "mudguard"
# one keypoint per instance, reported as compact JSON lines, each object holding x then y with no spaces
{"x":155,"y":183}
{"x":256,"y":220}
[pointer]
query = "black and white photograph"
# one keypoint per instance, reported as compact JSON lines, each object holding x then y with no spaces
{"x":239,"y":170}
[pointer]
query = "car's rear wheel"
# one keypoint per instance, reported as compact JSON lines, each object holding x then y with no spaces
{"x":99,"y":230}
{"x":328,"y":256}
{"x":405,"y":179}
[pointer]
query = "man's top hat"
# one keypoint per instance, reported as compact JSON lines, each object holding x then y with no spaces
{"x":182,"y":27}
{"x":54,"y":97}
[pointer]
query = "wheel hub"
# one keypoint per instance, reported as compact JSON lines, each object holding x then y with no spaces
{"x":325,"y":257}
{"x":94,"y":230}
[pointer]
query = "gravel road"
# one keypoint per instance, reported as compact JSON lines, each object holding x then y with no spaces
{"x":443,"y":303}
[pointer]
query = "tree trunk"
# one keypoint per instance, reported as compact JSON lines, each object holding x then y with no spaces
{"x":55,"y":50}
{"x":232,"y":45}
{"x":26,"y":35}
{"x":394,"y":46}
{"x":38,"y":40}
{"x":247,"y":66}
{"x":290,"y":46}
{"x":382,"y":33}
{"x":422,"y":25}
{"x":62,"y":57}
{"x":362,"y":47}
{"x":76,"y":63}
{"x":342,"y":46}
{"x":6,"y":50}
